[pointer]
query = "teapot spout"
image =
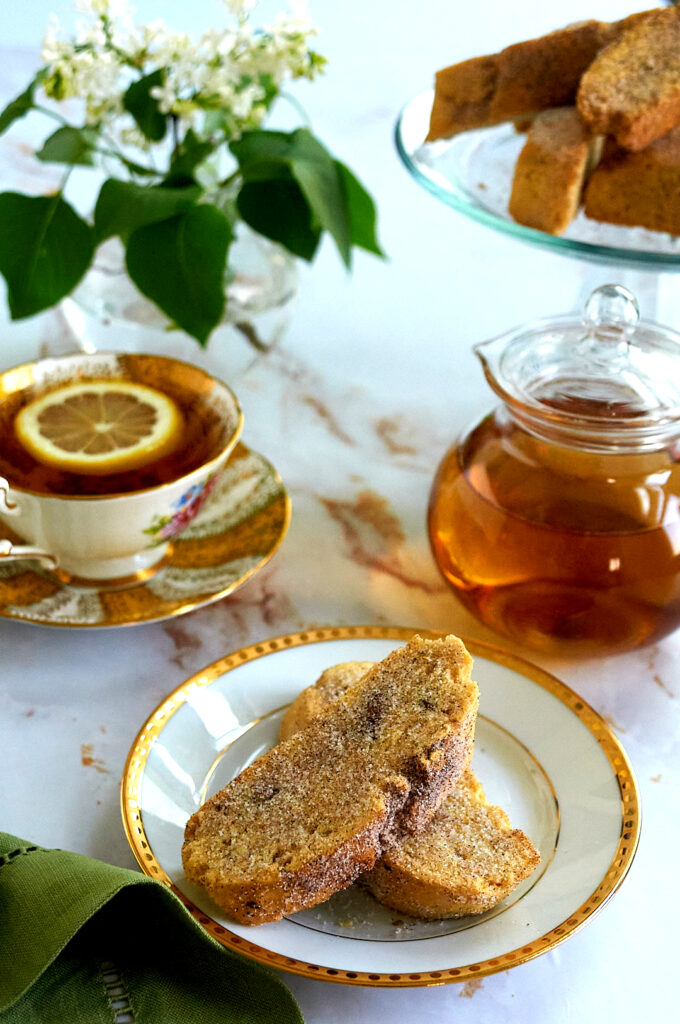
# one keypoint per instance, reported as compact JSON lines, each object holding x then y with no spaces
{"x":490,"y":355}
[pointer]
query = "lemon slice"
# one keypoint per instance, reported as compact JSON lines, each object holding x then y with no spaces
{"x":99,"y":426}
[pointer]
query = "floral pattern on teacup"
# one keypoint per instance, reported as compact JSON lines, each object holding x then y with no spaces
{"x":186,"y":508}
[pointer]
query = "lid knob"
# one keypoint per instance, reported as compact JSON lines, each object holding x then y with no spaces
{"x":611,"y":310}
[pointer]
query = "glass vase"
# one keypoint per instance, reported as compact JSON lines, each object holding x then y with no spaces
{"x":106,"y":312}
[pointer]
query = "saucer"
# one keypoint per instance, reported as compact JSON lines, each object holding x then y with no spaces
{"x":240,"y":527}
{"x":540,"y":752}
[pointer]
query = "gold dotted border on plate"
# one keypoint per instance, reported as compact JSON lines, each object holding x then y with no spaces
{"x":612,"y":749}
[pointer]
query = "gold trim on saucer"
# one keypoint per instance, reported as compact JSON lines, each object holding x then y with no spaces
{"x":240,"y":527}
{"x":618,"y":761}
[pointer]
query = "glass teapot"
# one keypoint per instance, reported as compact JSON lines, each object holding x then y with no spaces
{"x":556,"y":518}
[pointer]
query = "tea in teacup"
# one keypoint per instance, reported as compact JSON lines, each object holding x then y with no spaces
{"x":108,"y":456}
{"x":146,"y":422}
{"x":99,"y":427}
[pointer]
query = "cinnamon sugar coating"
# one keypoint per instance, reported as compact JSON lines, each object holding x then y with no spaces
{"x":551,"y":170}
{"x":465,"y":861}
{"x":313,"y":701}
{"x":308,"y":817}
{"x":522,"y":79}
{"x":638,"y":188}
{"x":632,"y":89}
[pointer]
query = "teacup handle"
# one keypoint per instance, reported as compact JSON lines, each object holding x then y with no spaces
{"x":14,"y":552}
{"x":6,"y":505}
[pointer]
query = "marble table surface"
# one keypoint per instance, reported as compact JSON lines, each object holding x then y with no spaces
{"x":372,"y":383}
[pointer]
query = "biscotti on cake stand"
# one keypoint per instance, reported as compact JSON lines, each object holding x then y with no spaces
{"x":590,"y":88}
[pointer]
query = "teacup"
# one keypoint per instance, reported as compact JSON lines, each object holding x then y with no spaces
{"x":111,"y":529}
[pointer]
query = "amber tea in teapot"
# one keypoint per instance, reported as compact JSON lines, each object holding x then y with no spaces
{"x":557,"y":517}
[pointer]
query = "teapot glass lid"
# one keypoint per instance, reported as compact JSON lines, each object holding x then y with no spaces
{"x":603,"y":373}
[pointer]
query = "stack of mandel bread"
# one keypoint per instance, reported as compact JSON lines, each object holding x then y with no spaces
{"x":370,"y":781}
{"x":601,"y":104}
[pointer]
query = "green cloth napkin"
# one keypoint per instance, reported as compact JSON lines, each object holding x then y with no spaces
{"x":85,"y":942}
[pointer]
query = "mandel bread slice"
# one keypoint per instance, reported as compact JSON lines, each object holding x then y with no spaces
{"x":638,"y":188}
{"x":331,"y":684}
{"x":522,"y":79}
{"x":632,"y":88}
{"x":552,"y":169}
{"x":319,"y":809}
{"x":468,"y":858}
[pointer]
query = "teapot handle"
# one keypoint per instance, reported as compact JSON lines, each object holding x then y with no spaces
{"x":10,"y":552}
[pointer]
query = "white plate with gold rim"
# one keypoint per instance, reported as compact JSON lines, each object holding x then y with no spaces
{"x":540,"y":751}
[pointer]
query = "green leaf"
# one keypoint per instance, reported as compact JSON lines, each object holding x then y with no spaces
{"x":191,"y":152}
{"x":180,"y":265}
{"x":139,"y":102}
{"x":362,"y":212}
{"x":22,"y":104}
{"x":267,"y":170}
{"x":318,"y":177}
{"x":262,"y":154}
{"x":123,"y":206}
{"x":69,"y":146}
{"x":46,"y":248}
{"x":214,"y":121}
{"x":279,"y":210}
{"x":139,"y":169}
{"x":261,"y":147}
{"x":270,"y":88}
{"x":224,"y":199}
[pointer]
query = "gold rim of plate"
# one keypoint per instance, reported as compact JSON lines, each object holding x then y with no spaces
{"x":621,"y":768}
{"x":205,"y":564}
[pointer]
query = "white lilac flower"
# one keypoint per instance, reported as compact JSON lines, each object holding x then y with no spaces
{"x":241,"y":8}
{"x":110,"y":8}
{"x":168,"y":47}
{"x":224,"y":70}
{"x":244,"y":101}
{"x":54,"y":48}
{"x":90,"y":34}
{"x":133,"y":138}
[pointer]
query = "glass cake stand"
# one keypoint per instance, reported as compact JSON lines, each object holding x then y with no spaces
{"x":472,"y":172}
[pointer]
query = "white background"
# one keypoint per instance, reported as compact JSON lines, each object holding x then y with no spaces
{"x":393,"y":340}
